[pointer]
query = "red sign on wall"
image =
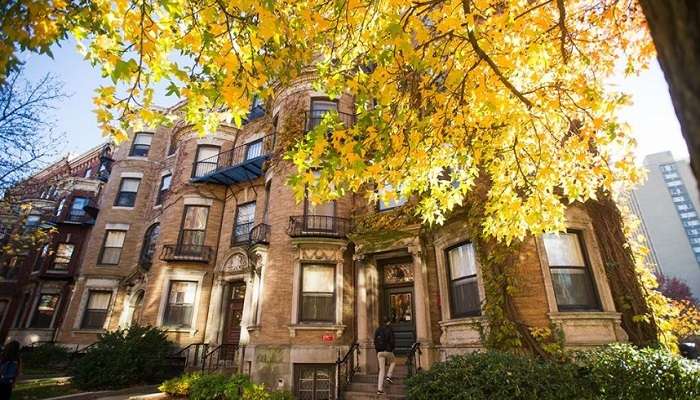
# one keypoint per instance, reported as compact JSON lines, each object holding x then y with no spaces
{"x":327,"y":338}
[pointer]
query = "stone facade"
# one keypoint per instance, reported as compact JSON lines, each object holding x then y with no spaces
{"x":245,"y":278}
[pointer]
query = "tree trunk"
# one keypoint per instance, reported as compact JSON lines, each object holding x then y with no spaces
{"x":675,"y":28}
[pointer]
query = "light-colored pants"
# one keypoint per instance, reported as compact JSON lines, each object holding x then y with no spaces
{"x":384,"y":358}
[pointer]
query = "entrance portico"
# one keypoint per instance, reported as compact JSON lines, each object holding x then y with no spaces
{"x":391,"y":282}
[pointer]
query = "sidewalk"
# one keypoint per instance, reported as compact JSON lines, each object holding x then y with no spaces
{"x":149,"y":392}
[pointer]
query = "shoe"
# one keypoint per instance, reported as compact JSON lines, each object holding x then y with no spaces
{"x":380,"y":392}
{"x":388,"y":379}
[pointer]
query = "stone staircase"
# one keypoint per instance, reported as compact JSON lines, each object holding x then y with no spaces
{"x":364,"y":386}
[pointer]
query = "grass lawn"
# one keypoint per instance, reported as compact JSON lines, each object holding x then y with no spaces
{"x":42,"y":389}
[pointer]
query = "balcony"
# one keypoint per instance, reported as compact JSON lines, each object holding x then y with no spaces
{"x":240,"y":164}
{"x":318,"y":226}
{"x":247,"y":234}
{"x":314,"y":117}
{"x":186,"y":252}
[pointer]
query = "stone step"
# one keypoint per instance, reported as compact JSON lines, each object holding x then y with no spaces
{"x":391,"y":388}
{"x":371,"y":396}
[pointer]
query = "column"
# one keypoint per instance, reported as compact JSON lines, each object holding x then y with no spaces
{"x":212,"y":333}
{"x":361,"y":307}
{"x":422,"y":299}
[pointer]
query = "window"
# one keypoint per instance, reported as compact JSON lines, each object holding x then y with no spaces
{"x":172,"y":148}
{"x":45,"y":309}
{"x":693,"y":231}
{"x":180,"y":306}
{"x":573,"y":286}
{"x":313,"y":381}
{"x":64,"y":253}
{"x":127,"y":192}
{"x":88,"y":173}
{"x":149,"y":244}
{"x":96,"y":308}
{"x":112,"y":247}
{"x":675,"y":191}
{"x":696,"y":249}
{"x":59,"y":209}
{"x":319,"y":108}
{"x":141,"y":145}
{"x":206,"y":161}
{"x":194,"y":226}
{"x":671,"y":175}
{"x":11,"y":266}
{"x":668,"y":167}
{"x":692,"y":222}
{"x":689,"y":214}
{"x":674,"y":183}
{"x":682,"y":207}
{"x":266,"y":210}
{"x":695,"y":240}
{"x":397,"y":201}
{"x":77,"y":209}
{"x":678,"y":199}
{"x":319,"y":217}
{"x":41,"y":257}
{"x":32,"y":221}
{"x":245,"y":217}
{"x":464,"y":289}
{"x":164,"y":188}
{"x":253,"y":149}
{"x":23,"y":306}
{"x":317,"y":293}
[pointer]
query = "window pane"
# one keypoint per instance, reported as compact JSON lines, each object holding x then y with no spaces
{"x":45,"y":309}
{"x":318,"y":278}
{"x":182,"y":292}
{"x":79,"y":204}
{"x":205,"y":153}
{"x":165,"y":182}
{"x":94,"y":319}
{"x":563,"y":249}
{"x":64,"y":253}
{"x":111,"y":255}
{"x":573,"y":288}
{"x":115,"y":238}
{"x":99,"y":300}
{"x":192,"y":238}
{"x":130,"y":185}
{"x":322,"y":106}
{"x":245,"y":214}
{"x":317,"y":307}
{"x":465,"y":297}
{"x":195,"y":217}
{"x":254,"y":149}
{"x":143,"y":138}
{"x":462,"y":261}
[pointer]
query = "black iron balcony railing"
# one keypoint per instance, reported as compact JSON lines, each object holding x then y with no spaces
{"x":318,"y":226}
{"x":241,"y":161}
{"x":260,"y":234}
{"x":249,"y":234}
{"x":186,"y":252}
{"x":314,"y":118}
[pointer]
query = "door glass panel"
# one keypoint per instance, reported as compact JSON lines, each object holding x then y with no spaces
{"x":400,"y":307}
{"x":398,"y":273}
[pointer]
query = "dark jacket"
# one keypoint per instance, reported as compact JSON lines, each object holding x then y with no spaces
{"x":384,"y":339}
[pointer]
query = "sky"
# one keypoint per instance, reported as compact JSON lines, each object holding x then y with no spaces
{"x":652,"y":118}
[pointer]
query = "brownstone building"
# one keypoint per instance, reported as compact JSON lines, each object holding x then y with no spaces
{"x":201,"y":236}
{"x":36,"y":283}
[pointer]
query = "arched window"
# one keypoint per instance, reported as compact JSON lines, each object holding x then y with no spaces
{"x":149,"y":245}
{"x":136,"y":308}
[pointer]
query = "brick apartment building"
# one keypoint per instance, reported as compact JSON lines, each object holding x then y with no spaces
{"x":201,"y":236}
{"x":36,"y":284}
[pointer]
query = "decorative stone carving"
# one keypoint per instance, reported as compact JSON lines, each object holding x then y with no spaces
{"x":236,"y":263}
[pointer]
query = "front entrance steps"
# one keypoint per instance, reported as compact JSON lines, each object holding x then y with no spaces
{"x":364,"y":386}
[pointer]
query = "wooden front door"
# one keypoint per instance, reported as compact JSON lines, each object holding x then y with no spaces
{"x":399,"y":303}
{"x":234,"y":313}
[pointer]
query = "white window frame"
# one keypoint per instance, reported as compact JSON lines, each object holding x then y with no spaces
{"x":180,"y":275}
{"x":96,"y":284}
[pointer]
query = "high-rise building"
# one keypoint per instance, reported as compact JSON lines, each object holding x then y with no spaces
{"x":668,"y":203}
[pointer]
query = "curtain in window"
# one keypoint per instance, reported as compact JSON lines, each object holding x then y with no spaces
{"x":180,"y":303}
{"x":318,"y":287}
{"x":573,"y":286}
{"x":113,"y":247}
{"x":463,"y":282}
{"x":96,"y":309}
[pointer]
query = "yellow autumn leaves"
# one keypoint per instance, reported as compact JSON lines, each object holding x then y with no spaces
{"x":507,"y":93}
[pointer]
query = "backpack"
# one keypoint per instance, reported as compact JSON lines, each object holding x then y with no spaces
{"x":380,"y":340}
{"x":8,"y":372}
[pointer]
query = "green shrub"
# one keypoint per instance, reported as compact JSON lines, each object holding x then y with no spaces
{"x":45,"y":356}
{"x":180,"y":385}
{"x":255,"y":392}
{"x":615,"y":372}
{"x":122,"y":358}
{"x":201,"y":386}
{"x":493,"y":375}
{"x":622,"y":372}
{"x":281,"y":395}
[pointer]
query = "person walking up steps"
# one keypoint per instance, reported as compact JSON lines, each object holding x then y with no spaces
{"x":384,"y":344}
{"x":9,"y":369}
